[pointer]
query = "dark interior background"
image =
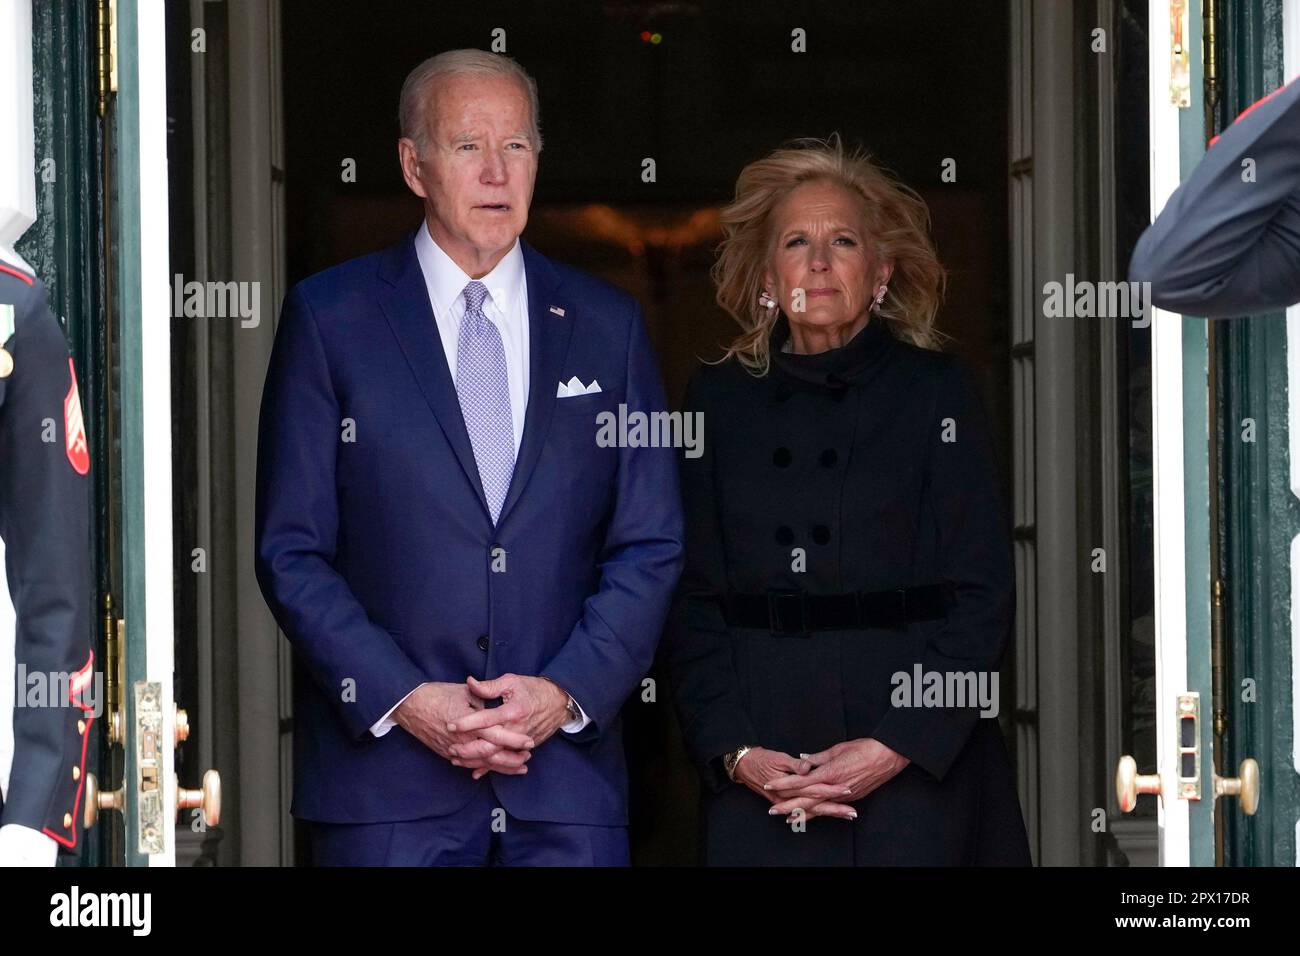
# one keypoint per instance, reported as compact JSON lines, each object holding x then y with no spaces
{"x":913,"y":82}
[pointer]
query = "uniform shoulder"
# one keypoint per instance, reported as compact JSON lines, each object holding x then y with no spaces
{"x":35,"y":326}
{"x":20,"y":289}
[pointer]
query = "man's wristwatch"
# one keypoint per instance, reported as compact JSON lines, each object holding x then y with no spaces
{"x":730,"y":760}
{"x":571,"y":707}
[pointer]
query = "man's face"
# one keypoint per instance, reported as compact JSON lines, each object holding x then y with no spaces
{"x":478,"y":168}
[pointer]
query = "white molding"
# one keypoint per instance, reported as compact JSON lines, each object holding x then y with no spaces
{"x":1167,"y":454}
{"x":155,"y":361}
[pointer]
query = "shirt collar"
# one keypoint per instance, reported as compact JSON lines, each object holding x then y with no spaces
{"x":446,"y":281}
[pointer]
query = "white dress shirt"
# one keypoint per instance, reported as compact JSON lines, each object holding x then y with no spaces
{"x":506,"y":306}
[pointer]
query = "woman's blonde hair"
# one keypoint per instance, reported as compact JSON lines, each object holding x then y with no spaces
{"x":897,"y":221}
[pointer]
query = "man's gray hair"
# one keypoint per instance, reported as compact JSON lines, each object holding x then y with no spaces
{"x":411,"y":109}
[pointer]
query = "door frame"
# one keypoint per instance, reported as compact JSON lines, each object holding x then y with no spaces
{"x":144,"y":314}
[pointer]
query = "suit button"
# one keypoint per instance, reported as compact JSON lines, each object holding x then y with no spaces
{"x":67,"y":821}
{"x":81,"y":726}
{"x":821,"y":534}
{"x":76,"y":773}
{"x":781,"y":457}
{"x":828,"y":458}
{"x":784,"y":535}
{"x":483,"y":643}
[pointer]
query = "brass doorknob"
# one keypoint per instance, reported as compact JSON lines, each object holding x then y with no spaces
{"x":182,"y":726}
{"x":1245,"y":785}
{"x":97,"y":800}
{"x":207,"y":799}
{"x":1129,"y":783}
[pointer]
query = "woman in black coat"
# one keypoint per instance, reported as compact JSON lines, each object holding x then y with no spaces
{"x":849,"y":585}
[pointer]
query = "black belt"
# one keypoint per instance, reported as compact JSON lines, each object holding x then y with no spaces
{"x":798,"y":612}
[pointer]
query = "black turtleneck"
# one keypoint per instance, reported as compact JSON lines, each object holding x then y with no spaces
{"x":850,"y":364}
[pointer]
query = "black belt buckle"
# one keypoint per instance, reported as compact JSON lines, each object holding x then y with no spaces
{"x":782,"y":605}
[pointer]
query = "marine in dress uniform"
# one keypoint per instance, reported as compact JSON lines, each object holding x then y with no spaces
{"x":1228,"y":241}
{"x":842,"y":454}
{"x":44,"y":528}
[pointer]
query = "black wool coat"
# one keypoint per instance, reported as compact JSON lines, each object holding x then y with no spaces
{"x":873,"y":462}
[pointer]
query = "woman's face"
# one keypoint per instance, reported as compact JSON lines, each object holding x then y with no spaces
{"x":822,"y":248}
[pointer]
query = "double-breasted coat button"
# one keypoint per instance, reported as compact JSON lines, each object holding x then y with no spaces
{"x":483,"y":642}
{"x":81,"y":726}
{"x":76,"y":773}
{"x":784,"y":535}
{"x":821,"y":534}
{"x":67,"y":821}
{"x":828,"y":458}
{"x":781,"y":457}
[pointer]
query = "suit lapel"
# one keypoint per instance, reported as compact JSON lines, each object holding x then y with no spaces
{"x":406,"y":306}
{"x":548,"y":344}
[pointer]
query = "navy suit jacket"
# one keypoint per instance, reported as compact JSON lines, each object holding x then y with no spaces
{"x":375,"y":545}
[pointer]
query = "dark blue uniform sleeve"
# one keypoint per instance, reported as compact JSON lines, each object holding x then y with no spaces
{"x":45,"y":526}
{"x":1225,"y":245}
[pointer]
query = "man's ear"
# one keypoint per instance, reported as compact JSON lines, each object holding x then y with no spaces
{"x":409,"y":159}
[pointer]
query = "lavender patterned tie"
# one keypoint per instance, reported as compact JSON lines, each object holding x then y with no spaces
{"x":484,"y":393}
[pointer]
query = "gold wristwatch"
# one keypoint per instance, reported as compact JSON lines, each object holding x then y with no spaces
{"x":730,"y":760}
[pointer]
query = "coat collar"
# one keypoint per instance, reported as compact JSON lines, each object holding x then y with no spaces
{"x":550,"y":324}
{"x":851,"y":364}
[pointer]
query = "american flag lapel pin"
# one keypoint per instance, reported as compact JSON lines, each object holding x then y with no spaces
{"x":557,"y":310}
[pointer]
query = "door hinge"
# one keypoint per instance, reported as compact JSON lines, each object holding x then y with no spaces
{"x":1180,"y":63}
{"x":106,"y":47}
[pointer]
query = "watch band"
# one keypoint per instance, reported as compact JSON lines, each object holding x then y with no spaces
{"x":729,"y":760}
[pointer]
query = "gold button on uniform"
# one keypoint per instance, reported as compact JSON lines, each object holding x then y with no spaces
{"x":67,"y":821}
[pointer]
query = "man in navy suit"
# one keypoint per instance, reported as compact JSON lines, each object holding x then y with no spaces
{"x":473,"y":582}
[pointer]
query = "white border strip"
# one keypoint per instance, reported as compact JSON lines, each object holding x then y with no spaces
{"x":155,"y":360}
{"x":1167,"y":455}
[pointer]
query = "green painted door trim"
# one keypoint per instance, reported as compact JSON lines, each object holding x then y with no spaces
{"x":129,"y":317}
{"x":1196,"y":489}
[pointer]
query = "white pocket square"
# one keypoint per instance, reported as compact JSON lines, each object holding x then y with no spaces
{"x":574,"y":387}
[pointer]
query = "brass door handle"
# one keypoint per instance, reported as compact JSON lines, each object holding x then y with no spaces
{"x":1245,"y":785}
{"x":1129,"y":783}
{"x":207,"y":799}
{"x":97,"y":800}
{"x":182,"y":725}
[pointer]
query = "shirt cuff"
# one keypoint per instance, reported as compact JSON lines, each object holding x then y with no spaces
{"x":575,"y":725}
{"x":383,"y":725}
{"x":23,"y":846}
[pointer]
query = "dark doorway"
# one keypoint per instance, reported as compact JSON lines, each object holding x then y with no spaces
{"x":702,"y":88}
